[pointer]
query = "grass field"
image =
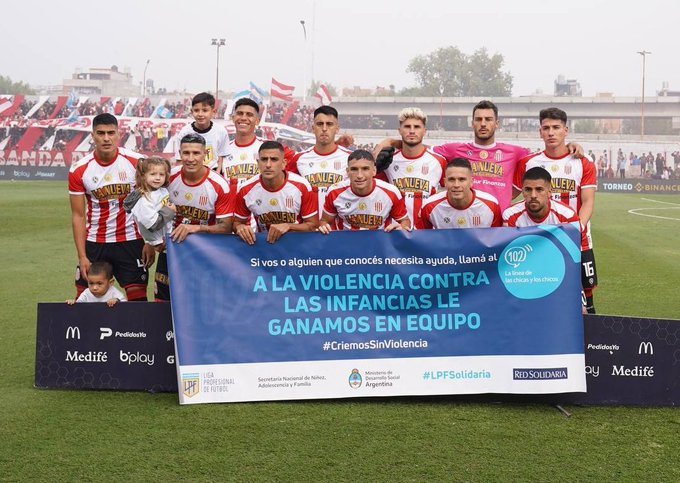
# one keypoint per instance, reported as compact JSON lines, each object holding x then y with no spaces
{"x":52,"y":435}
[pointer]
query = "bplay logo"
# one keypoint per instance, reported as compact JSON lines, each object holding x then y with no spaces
{"x":72,"y":332}
{"x":136,"y":358}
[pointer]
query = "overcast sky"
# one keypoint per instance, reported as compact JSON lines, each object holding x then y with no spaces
{"x":365,"y":43}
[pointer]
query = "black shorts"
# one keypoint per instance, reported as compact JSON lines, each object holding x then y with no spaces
{"x":161,"y":288}
{"x":588,"y":270}
{"x":124,"y":257}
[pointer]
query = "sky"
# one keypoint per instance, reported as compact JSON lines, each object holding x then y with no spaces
{"x":350,"y":43}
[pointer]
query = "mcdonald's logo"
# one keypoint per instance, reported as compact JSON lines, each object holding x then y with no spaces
{"x":646,"y":347}
{"x":72,"y":332}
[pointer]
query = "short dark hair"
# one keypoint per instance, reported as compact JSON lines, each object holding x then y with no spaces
{"x":104,"y":119}
{"x":552,"y":113}
{"x":101,"y":268}
{"x":246,"y":101}
{"x":271,"y":145}
{"x":485,"y":105}
{"x":203,"y":98}
{"x":193,"y":138}
{"x":537,"y":173}
{"x":327,"y":110}
{"x":459,"y":163}
{"x":360,"y":154}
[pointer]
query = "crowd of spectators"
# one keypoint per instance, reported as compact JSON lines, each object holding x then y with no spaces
{"x":634,"y":165}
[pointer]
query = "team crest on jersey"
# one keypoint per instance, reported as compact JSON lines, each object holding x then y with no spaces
{"x":122,"y":175}
{"x":324,"y":164}
{"x":409,"y":169}
{"x":290,"y":202}
{"x":362,"y":206}
{"x":243,"y":156}
{"x":188,"y":197}
{"x":378,"y":206}
{"x":498,"y":156}
{"x":203,"y":200}
{"x":567,"y":168}
{"x":337,"y":165}
{"x":107,"y":177}
{"x":460,"y":221}
{"x":554,"y":168}
{"x":476,"y":220}
{"x":425,"y":169}
{"x":483,"y":154}
{"x":273,"y":202}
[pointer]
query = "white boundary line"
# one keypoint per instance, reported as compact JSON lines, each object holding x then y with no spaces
{"x":634,"y":211}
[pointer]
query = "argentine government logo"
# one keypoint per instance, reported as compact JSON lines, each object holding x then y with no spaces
{"x":355,"y":379}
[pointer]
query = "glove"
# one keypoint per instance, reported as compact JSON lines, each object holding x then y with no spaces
{"x":384,"y":159}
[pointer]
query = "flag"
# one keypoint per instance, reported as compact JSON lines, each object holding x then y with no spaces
{"x":323,"y":95}
{"x":73,"y":117}
{"x":257,"y":93}
{"x":240,"y":94}
{"x":282,"y":91}
{"x":72,"y":98}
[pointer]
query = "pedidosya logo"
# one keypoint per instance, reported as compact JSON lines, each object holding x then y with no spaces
{"x":531,"y":267}
{"x":355,"y":379}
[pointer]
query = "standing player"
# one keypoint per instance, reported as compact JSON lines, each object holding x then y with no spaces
{"x":573,"y":183}
{"x":415,"y":170}
{"x":538,"y":209}
{"x":279,"y":201}
{"x":325,"y":164}
{"x":362,"y":202}
{"x":216,"y":137}
{"x":202,"y":201}
{"x":460,"y":206}
{"x":493,"y":164}
{"x":102,"y":180}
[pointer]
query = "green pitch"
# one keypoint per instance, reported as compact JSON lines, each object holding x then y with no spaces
{"x":53,"y":435}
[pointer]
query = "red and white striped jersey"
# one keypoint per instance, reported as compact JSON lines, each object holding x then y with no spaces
{"x":569,"y":176}
{"x":105,"y":186}
{"x":201,"y":203}
{"x":243,"y":164}
{"x":321,"y":170}
{"x":417,"y":178}
{"x":517,"y":215}
{"x":482,"y":212}
{"x":293,"y":202}
{"x":375,"y":210}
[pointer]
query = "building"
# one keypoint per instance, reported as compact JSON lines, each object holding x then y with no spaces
{"x":101,"y":81}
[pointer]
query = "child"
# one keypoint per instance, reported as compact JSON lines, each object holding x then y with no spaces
{"x":100,"y":286}
{"x":149,"y":202}
{"x":216,"y":137}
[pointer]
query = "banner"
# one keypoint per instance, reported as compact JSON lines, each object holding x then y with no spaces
{"x":363,"y":314}
{"x":643,"y":185}
{"x":94,"y":346}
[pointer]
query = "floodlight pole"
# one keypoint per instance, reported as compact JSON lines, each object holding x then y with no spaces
{"x":217,"y":43}
{"x":643,"y":53}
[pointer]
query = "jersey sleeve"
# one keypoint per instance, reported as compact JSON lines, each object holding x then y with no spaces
{"x":223,"y":204}
{"x":75,"y":182}
{"x":289,"y":154}
{"x":398,"y":211}
{"x":589,"y":174}
{"x":497,"y":216}
{"x":329,"y":205}
{"x":425,"y":216}
{"x":241,"y":211}
{"x":309,"y":205}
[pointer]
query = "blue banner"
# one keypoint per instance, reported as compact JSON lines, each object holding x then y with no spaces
{"x":505,"y":301}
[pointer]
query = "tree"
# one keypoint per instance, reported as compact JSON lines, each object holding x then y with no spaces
{"x":315,"y":87}
{"x":449,"y":72}
{"x":7,"y":86}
